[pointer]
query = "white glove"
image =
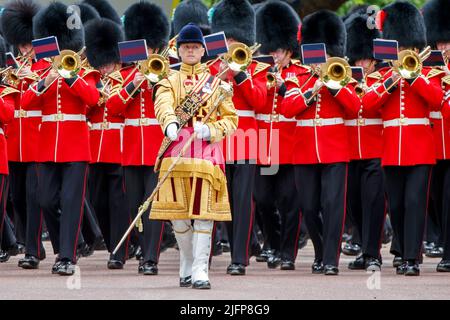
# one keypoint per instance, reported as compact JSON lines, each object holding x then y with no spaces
{"x":202,"y":131}
{"x":172,"y":131}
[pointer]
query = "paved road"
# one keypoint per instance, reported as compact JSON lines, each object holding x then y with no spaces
{"x":96,"y":282}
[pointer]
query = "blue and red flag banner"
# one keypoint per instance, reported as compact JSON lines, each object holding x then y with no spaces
{"x":11,"y":61}
{"x":46,"y":48}
{"x":385,"y":49}
{"x":436,"y":59}
{"x":265,"y":59}
{"x":132,"y":51}
{"x":358,"y":73}
{"x":216,"y":44}
{"x":314,"y":53}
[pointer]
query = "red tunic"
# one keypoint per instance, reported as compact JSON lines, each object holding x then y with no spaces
{"x":250,"y":95}
{"x":23,"y":131}
{"x":275,"y":141}
{"x":320,"y":136}
{"x":106,"y":131}
{"x":142,"y":135}
{"x":407,"y":136}
{"x":9,"y":98}
{"x":64,"y":134}
{"x":365,"y":129}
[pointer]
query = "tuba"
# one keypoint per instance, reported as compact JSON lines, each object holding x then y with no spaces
{"x":68,"y":64}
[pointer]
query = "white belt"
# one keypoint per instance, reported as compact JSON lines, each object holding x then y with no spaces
{"x":320,"y":122}
{"x":106,"y":126}
{"x":363,"y":122}
{"x":141,"y":122}
{"x":406,"y":122}
{"x":274,"y":118}
{"x":27,"y":114}
{"x":436,"y":115}
{"x":63,"y":117}
{"x":246,"y":113}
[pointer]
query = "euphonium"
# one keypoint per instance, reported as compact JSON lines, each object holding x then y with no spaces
{"x":155,"y":68}
{"x":68,"y":64}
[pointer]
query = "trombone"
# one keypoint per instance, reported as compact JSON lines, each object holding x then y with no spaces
{"x":409,"y":64}
{"x":12,"y":77}
{"x":335,"y":74}
{"x":239,"y":57}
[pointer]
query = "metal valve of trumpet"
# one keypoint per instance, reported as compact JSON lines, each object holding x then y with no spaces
{"x":68,"y":64}
{"x":155,"y":68}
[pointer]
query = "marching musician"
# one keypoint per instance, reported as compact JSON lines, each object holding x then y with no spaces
{"x":142,"y":135}
{"x":277,"y":25}
{"x":64,"y":151}
{"x":196,"y":188}
{"x":366,"y":199}
{"x":409,"y":151}
{"x":438,"y":36}
{"x":9,"y":98}
{"x":250,"y":94}
{"x":22,"y":132}
{"x":106,"y":180}
{"x":321,"y":143}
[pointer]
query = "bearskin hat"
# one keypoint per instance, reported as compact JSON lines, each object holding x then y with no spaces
{"x":436,"y":13}
{"x":17,"y":21}
{"x":403,"y":22}
{"x":139,"y":25}
{"x":360,"y":38}
{"x":191,"y":11}
{"x":325,"y":26}
{"x":102,"y":38}
{"x":52,"y":21}
{"x":105,"y":10}
{"x":276,"y":27}
{"x":237,"y":19}
{"x":2,"y":52}
{"x":87,"y":12}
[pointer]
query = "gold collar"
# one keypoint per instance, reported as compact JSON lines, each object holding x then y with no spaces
{"x":192,"y":70}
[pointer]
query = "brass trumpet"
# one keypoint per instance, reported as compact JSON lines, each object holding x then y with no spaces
{"x":155,"y":68}
{"x":68,"y":64}
{"x":12,"y":77}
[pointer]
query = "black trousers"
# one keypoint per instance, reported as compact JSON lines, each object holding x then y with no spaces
{"x":23,"y":188}
{"x":107,"y":196}
{"x":366,"y":203}
{"x":62,"y":188}
{"x":322,"y":188}
{"x":3,"y":216}
{"x":240,"y":180}
{"x":435,"y":228}
{"x":90,"y":231}
{"x":274,"y":193}
{"x":407,"y":189}
{"x":140,"y":182}
{"x":446,"y":212}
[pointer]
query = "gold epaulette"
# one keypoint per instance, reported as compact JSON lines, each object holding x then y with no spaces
{"x":260,"y":66}
{"x":89,"y":71}
{"x":434,"y":73}
{"x":293,"y":80}
{"x":375,"y":75}
{"x":446,"y":80}
{"x":116,"y":76}
{"x":8,"y":90}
